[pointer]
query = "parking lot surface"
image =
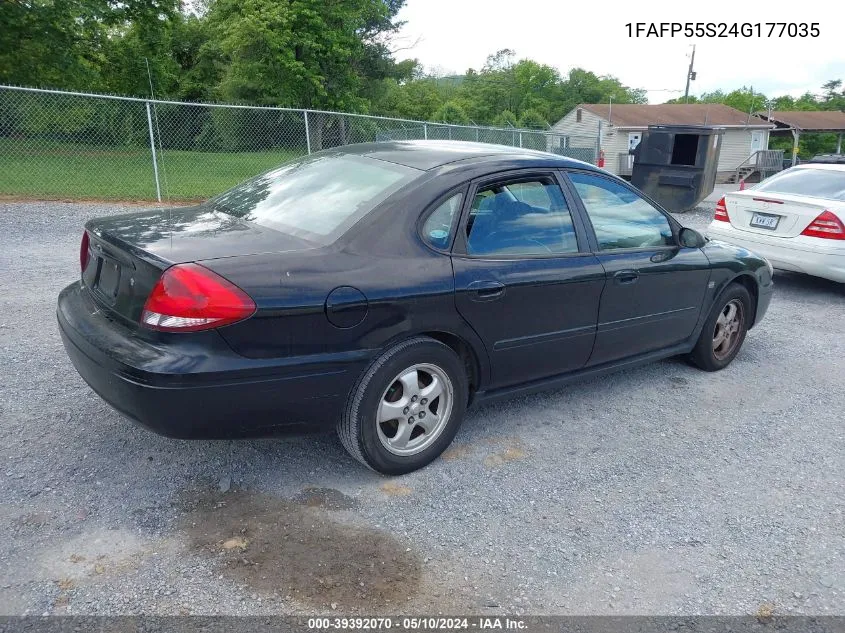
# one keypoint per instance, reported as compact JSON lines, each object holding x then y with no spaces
{"x":662,"y":490}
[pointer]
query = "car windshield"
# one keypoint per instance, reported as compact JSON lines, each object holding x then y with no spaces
{"x":806,"y":181}
{"x":318,"y":197}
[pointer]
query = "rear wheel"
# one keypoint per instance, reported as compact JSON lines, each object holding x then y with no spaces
{"x":724,"y":332}
{"x":406,"y":408}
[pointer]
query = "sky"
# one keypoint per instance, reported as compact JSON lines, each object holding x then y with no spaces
{"x":450,"y":36}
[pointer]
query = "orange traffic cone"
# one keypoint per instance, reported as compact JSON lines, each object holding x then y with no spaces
{"x":742,"y":184}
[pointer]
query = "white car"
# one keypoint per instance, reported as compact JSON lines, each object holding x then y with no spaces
{"x":794,"y":219}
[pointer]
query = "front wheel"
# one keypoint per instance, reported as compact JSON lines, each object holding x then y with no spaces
{"x":724,"y":331}
{"x":406,"y":407}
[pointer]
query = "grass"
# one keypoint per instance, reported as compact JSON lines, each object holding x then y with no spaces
{"x":37,"y":169}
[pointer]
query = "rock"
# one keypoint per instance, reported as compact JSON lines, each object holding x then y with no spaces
{"x":225,"y":483}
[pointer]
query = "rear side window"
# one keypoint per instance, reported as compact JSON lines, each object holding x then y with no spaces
{"x":437,"y":229}
{"x":318,"y":197}
{"x":806,"y":181}
{"x":521,"y":217}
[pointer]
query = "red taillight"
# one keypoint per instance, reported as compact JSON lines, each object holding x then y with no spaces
{"x":84,"y":252}
{"x":826,"y":226}
{"x":721,"y":211}
{"x":189,"y":297}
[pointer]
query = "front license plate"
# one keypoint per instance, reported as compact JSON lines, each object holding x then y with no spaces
{"x":765,"y":221}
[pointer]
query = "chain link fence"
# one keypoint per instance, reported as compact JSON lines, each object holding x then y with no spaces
{"x":56,"y":144}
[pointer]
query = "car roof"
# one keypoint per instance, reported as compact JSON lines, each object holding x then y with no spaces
{"x":426,"y":155}
{"x":827,"y":166}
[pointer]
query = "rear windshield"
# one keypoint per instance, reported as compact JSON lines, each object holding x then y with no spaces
{"x":806,"y":181}
{"x":318,"y":197}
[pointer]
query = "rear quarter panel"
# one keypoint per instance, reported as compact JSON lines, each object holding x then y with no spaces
{"x":409,"y":289}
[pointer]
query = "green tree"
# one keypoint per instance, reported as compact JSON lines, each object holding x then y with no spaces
{"x":300,"y":53}
{"x":533,"y":119}
{"x":451,"y":112}
{"x":746,"y":100}
{"x":583,"y":86}
{"x":64,"y":43}
{"x":505,"y":118}
{"x":834,"y":95}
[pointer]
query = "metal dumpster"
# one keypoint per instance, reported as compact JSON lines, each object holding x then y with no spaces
{"x":676,"y":164}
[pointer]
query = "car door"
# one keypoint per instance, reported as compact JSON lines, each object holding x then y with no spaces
{"x":525,"y":278}
{"x":655,"y":288}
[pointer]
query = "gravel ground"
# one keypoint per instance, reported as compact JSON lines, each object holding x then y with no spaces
{"x":663,"y":490}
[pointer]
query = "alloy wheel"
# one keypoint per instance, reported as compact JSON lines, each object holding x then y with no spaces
{"x":728,"y":329}
{"x":414,"y":409}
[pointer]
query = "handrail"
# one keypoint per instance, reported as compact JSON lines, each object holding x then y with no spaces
{"x":772,"y":160}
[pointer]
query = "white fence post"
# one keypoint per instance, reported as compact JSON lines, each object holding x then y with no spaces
{"x":307,"y":132}
{"x":425,"y":131}
{"x":153,"y":148}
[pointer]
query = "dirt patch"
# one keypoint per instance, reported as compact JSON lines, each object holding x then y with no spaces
{"x":508,"y":455}
{"x":66,"y":583}
{"x":32,"y":521}
{"x":394,"y":489}
{"x":510,"y":450}
{"x":455,"y":452}
{"x":765,"y":612}
{"x":328,"y":498}
{"x":301,"y":552}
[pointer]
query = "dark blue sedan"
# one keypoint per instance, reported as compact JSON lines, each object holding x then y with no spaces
{"x":380,"y":289}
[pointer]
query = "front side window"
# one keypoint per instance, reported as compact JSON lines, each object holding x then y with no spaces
{"x":620,"y":217}
{"x":437,"y":229}
{"x":317,"y":197}
{"x":807,"y":181}
{"x":520,"y":217}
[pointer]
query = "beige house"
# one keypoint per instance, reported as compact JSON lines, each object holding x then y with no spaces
{"x":621,"y":128}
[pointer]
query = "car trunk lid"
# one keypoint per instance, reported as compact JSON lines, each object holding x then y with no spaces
{"x":128,"y":253}
{"x":773,"y":214}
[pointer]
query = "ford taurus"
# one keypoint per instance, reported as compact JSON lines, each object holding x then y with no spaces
{"x":380,"y":289}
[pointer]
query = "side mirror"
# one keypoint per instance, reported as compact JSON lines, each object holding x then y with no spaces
{"x":690,"y":238}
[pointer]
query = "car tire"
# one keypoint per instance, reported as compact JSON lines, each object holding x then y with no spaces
{"x":389,"y":424}
{"x":724,"y":331}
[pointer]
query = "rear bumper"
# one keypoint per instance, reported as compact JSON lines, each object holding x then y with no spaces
{"x":799,"y":254}
{"x":194,"y":385}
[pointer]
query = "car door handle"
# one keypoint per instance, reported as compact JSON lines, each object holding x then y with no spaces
{"x":486,"y":290}
{"x":624,"y":277}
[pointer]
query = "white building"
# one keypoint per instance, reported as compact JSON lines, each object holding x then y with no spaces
{"x":621,"y":128}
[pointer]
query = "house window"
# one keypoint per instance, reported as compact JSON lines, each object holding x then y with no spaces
{"x":578,"y":115}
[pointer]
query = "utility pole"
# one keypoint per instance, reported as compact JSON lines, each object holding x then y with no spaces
{"x":690,"y":74}
{"x":750,"y":108}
